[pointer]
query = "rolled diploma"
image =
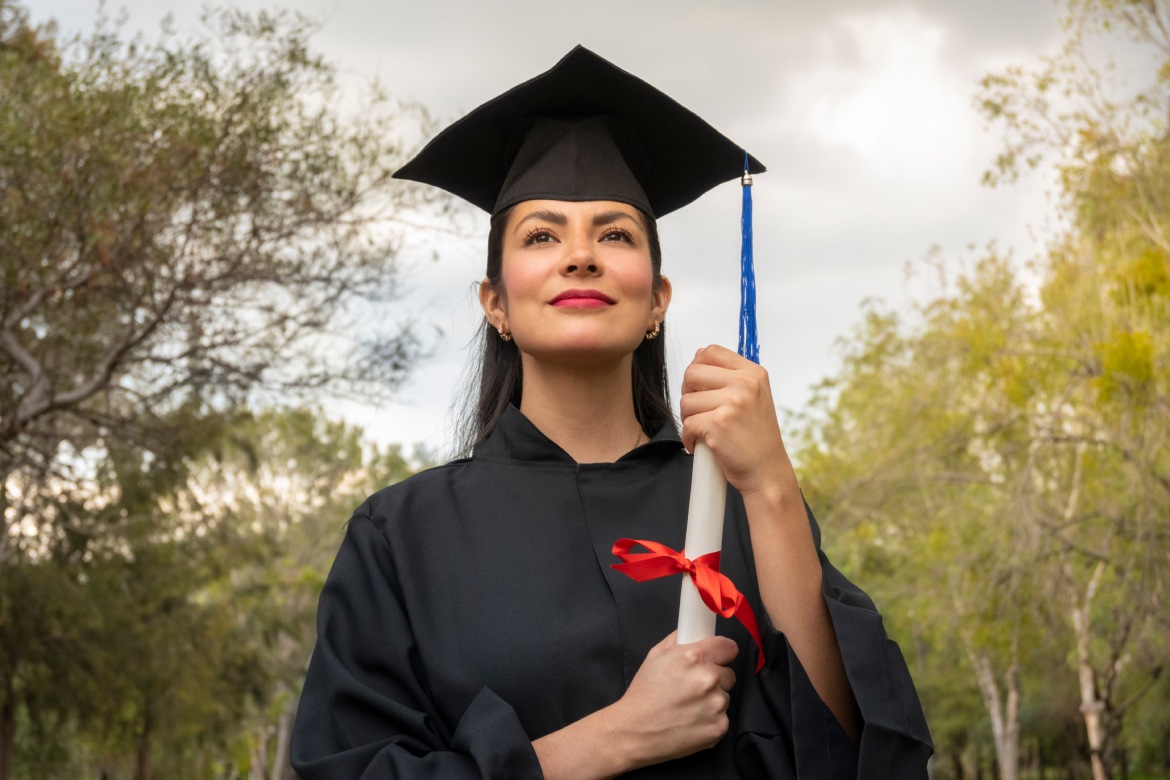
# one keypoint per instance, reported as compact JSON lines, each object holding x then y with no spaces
{"x":704,"y":534}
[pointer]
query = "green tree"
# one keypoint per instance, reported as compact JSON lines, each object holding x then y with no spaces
{"x":182,"y":223}
{"x":293,"y":478}
{"x":912,"y":451}
{"x":1106,"y":297}
{"x":177,"y":646}
{"x":1000,"y":460}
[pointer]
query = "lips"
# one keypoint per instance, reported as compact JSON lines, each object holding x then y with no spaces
{"x":582,"y":298}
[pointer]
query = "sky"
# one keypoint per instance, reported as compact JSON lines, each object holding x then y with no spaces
{"x":862,"y":110}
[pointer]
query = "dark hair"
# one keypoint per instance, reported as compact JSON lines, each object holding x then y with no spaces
{"x":494,"y":376}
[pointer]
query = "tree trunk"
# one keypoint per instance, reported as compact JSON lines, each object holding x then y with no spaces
{"x":142,"y":763}
{"x":8,"y":719}
{"x":259,"y":765}
{"x":4,"y":531}
{"x":1005,"y":720}
{"x":957,"y":765}
{"x":281,"y":768}
{"x":7,"y":734}
{"x":8,"y":707}
{"x":1092,"y":706}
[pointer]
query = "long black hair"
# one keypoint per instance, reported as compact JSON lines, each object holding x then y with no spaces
{"x":495,"y":376}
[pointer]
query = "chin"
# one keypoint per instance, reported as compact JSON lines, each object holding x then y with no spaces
{"x":582,"y":351}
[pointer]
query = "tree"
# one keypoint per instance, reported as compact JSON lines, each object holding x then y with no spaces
{"x":1015,"y":447}
{"x":185,"y":226}
{"x":177,"y":647}
{"x":911,"y":450}
{"x":292,"y":478}
{"x":1107,"y":296}
{"x":183,"y":223}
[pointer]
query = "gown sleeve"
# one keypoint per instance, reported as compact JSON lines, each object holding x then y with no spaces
{"x":784,"y":723}
{"x":365,"y":711}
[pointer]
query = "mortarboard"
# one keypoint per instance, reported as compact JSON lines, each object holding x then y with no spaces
{"x":583,"y":130}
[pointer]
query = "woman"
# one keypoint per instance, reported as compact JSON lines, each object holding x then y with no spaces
{"x":472,"y":626}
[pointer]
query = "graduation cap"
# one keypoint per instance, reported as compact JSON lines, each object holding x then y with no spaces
{"x":583,"y":130}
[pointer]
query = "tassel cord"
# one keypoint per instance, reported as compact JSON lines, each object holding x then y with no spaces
{"x":749,"y":345}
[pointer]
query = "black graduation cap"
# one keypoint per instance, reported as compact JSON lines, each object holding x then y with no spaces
{"x":584,"y":130}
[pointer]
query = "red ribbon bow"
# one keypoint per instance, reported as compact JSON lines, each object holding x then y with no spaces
{"x":717,"y":591}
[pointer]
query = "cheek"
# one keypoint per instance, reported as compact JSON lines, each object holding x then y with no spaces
{"x":637,"y":279}
{"x":517,"y":280}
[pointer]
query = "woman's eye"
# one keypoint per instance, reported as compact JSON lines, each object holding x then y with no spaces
{"x":538,"y":236}
{"x":617,"y":234}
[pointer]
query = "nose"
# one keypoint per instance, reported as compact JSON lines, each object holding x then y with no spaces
{"x":580,"y":259}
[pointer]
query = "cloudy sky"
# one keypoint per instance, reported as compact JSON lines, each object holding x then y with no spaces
{"x":861,"y":109}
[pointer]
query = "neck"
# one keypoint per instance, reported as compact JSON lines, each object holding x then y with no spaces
{"x":587,"y":412}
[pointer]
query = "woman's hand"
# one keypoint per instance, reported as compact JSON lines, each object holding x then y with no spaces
{"x":677,"y":703}
{"x":727,"y":402}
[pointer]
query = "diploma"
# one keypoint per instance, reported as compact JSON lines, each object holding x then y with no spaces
{"x":704,"y":535}
{"x":708,"y":486}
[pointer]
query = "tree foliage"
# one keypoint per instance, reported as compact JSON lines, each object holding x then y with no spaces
{"x":1000,"y":459}
{"x":189,"y":227}
{"x":176,"y":648}
{"x":182,"y":223}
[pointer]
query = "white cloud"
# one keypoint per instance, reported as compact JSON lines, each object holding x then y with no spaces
{"x":887,"y":97}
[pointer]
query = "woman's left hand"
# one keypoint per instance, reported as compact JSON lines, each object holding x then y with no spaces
{"x":727,"y":402}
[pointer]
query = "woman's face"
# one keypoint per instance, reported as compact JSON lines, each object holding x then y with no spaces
{"x":576,"y":280}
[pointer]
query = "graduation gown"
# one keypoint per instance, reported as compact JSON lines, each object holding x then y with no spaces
{"x":472,"y":609}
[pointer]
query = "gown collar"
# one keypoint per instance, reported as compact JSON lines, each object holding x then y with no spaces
{"x":516,"y":438}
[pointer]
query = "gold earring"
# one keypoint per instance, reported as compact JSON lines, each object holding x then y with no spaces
{"x":504,"y":335}
{"x":653,"y":334}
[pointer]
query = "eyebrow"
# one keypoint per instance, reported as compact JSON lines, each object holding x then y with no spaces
{"x":559,"y":218}
{"x":555,"y":217}
{"x":613,"y":215}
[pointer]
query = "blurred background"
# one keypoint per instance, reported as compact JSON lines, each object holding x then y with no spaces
{"x":222,"y":325}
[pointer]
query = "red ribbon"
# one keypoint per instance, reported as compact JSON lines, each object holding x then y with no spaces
{"x":717,"y":591}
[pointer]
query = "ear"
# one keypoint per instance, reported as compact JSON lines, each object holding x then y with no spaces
{"x":659,"y":303}
{"x":493,"y":303}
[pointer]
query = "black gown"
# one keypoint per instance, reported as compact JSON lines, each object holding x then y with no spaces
{"x":472,"y":609}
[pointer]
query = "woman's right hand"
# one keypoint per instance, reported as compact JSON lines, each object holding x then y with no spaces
{"x":676,"y":705}
{"x":677,"y":702}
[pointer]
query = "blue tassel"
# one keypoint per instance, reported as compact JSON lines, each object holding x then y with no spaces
{"x":749,"y":345}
